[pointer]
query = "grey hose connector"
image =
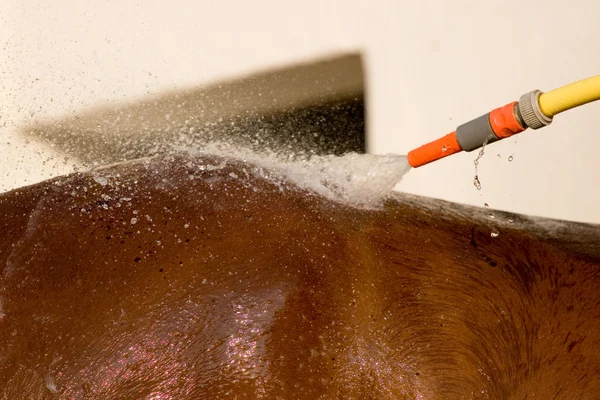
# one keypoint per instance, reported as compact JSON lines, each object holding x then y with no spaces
{"x":529,"y":107}
{"x":475,"y":133}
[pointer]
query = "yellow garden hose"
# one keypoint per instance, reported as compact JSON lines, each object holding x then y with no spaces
{"x":570,"y":96}
{"x":533,"y":110}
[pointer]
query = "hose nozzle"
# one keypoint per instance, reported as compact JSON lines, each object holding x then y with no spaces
{"x":498,"y":124}
{"x":533,"y":110}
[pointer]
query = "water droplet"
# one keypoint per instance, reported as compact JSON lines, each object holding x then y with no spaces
{"x":134,"y":221}
{"x":495,"y":233}
{"x":486,"y":205}
{"x":510,"y":221}
{"x":477,"y":183}
{"x":510,"y":158}
{"x":498,"y":155}
{"x":444,"y":148}
{"x":491,"y":216}
{"x":100,"y":180}
{"x":186,"y":226}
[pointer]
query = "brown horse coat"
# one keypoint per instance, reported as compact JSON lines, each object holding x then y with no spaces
{"x":175,"y":279}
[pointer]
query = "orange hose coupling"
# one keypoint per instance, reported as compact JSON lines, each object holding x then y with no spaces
{"x":505,"y":121}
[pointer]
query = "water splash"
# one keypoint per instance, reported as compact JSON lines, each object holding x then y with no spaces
{"x":358,"y":179}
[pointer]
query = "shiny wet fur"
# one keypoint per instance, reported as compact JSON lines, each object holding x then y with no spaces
{"x":165,"y":279}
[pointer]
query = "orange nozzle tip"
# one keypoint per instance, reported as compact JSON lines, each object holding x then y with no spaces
{"x":433,"y":151}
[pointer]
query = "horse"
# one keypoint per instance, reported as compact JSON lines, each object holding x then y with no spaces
{"x":203,"y":277}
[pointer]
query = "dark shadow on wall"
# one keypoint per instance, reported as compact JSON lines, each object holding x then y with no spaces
{"x":305,"y":109}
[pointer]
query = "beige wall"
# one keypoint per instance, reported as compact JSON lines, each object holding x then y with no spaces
{"x":430,"y":66}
